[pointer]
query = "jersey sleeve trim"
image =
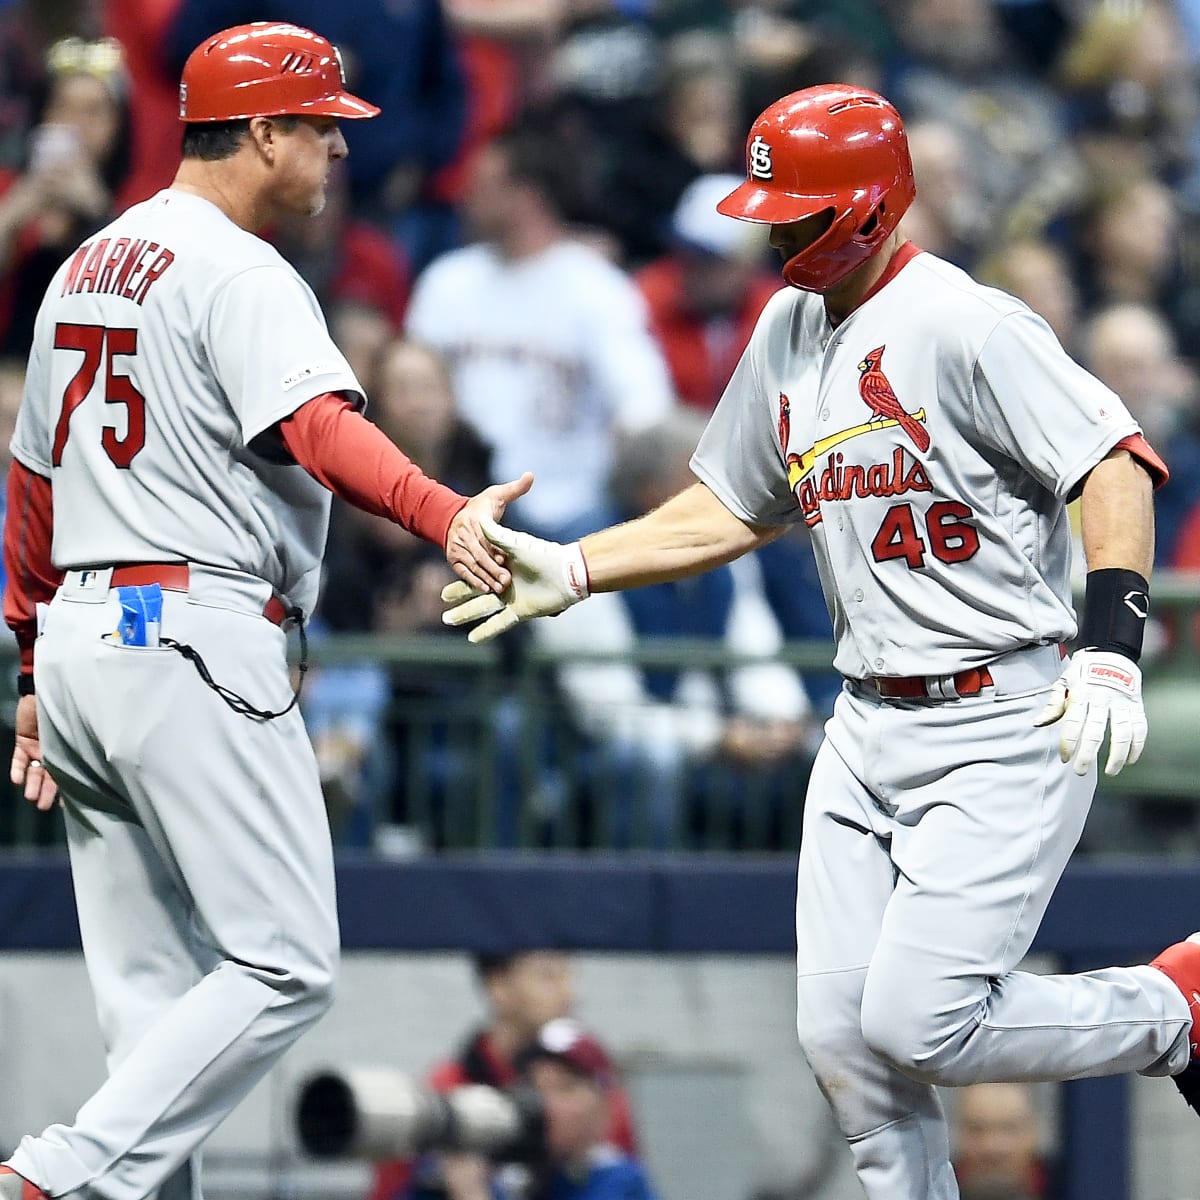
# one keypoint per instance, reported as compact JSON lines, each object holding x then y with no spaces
{"x":30,"y":461}
{"x":1072,"y":479}
{"x":1141,"y":449}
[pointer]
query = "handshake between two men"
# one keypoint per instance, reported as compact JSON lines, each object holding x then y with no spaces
{"x":1098,"y":692}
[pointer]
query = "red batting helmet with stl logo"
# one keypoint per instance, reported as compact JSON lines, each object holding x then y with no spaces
{"x":266,"y":69}
{"x":832,"y":148}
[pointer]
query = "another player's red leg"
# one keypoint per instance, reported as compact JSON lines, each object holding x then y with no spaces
{"x":1180,"y":963}
{"x":16,"y":1187}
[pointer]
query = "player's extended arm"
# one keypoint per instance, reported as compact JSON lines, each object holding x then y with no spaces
{"x":32,"y":580}
{"x":354,"y":459}
{"x":1101,"y":687}
{"x":692,"y":532}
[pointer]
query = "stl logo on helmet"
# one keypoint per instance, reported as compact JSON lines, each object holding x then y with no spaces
{"x":760,"y":159}
{"x":182,"y":101}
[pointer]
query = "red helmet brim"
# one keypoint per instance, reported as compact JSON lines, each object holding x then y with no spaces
{"x":753,"y":202}
{"x":343,"y":104}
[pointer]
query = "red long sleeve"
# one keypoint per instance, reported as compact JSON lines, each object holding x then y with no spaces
{"x":341,"y":449}
{"x":32,"y":579}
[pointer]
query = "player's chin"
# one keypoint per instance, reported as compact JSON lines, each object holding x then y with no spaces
{"x":316,"y":204}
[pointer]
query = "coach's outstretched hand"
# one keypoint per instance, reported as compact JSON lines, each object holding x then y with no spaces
{"x":473,"y":558}
{"x":546,"y":578}
{"x":1098,"y":690}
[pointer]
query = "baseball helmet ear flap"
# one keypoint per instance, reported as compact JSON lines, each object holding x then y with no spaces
{"x":833,"y":147}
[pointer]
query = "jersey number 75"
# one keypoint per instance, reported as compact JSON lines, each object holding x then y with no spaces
{"x":98,"y":342}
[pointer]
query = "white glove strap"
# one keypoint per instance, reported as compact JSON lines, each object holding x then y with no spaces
{"x":575,"y":574}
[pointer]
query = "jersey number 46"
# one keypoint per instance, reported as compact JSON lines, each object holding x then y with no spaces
{"x":98,"y":344}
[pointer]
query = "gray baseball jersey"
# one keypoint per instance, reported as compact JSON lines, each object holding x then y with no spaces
{"x":930,"y":442}
{"x":167,"y":343}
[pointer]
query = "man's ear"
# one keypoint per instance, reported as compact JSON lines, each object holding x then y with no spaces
{"x":262,"y":134}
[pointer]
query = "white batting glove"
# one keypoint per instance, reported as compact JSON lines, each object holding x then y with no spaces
{"x":1098,"y":690}
{"x":546,"y":579}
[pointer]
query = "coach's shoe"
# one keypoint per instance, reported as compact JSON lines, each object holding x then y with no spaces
{"x":16,"y":1187}
{"x":1180,"y":963}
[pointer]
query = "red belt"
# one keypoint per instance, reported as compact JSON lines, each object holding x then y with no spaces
{"x":175,"y":577}
{"x":916,"y":687}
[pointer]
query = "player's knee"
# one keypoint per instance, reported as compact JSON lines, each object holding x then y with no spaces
{"x":307,"y":986}
{"x":905,"y":1028}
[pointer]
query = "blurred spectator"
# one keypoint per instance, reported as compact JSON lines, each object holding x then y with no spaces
{"x":575,"y":1080}
{"x":1129,"y":239}
{"x":379,"y":578}
{"x":1132,"y":91}
{"x":379,"y":575}
{"x":657,"y":737}
{"x":954,"y":64}
{"x":997,"y":1144}
{"x":78,"y":155}
{"x":1130,"y":348}
{"x":345,"y":260}
{"x":706,"y":294}
{"x":522,"y":991}
{"x":547,"y":341}
{"x":692,"y":127}
{"x":141,"y":27}
{"x":505,"y":49}
{"x":949,"y":220}
{"x":397,"y":55}
{"x":1130,"y":242}
{"x":1037,"y":272}
{"x":361,"y":331}
{"x":23,"y":43}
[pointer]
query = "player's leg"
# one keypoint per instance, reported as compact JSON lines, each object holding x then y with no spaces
{"x":138,"y":942}
{"x":233,"y":809}
{"x":893,"y":1123}
{"x":979,"y":848}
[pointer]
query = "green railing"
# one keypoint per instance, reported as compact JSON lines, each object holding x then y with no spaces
{"x":477,"y":747}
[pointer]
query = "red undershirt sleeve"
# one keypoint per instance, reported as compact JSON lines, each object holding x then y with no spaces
{"x":32,"y":579}
{"x":1145,"y":454}
{"x":342,"y":450}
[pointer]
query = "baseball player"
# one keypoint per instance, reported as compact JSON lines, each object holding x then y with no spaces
{"x":185,"y":418}
{"x":930,"y":432}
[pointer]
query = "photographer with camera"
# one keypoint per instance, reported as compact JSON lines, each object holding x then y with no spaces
{"x":523,"y":990}
{"x":574,"y":1079}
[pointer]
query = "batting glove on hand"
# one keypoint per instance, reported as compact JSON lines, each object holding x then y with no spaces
{"x":1098,"y":690}
{"x":546,"y":579}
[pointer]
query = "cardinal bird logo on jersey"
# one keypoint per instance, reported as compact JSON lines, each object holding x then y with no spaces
{"x":878,"y":396}
{"x":785,"y":421}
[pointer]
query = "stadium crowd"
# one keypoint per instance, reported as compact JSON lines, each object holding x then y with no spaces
{"x":523,"y":263}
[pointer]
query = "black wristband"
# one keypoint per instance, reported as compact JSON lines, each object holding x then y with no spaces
{"x":1115,"y":608}
{"x":25,"y":683}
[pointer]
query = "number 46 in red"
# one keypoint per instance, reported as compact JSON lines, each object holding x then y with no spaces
{"x":98,"y":342}
{"x":950,"y":538}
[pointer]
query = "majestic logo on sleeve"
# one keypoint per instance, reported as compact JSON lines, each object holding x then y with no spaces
{"x":760,"y":159}
{"x":878,"y":396}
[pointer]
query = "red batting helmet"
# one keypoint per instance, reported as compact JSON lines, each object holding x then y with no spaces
{"x":833,"y":147}
{"x":266,"y":69}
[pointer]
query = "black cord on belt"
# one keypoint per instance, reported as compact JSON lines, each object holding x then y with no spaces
{"x":240,"y":704}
